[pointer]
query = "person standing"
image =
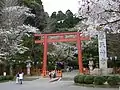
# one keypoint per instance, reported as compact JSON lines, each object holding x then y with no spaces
{"x":21,"y":77}
{"x":17,"y":78}
{"x":50,"y":75}
{"x":54,"y":74}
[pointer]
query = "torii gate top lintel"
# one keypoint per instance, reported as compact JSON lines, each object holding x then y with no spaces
{"x":56,"y":34}
{"x":61,"y":37}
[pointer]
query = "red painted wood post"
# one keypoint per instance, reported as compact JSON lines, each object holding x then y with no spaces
{"x":44,"y":69}
{"x":79,"y":53}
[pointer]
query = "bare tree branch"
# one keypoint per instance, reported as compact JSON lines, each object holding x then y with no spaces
{"x":112,"y":11}
{"x":110,"y":22}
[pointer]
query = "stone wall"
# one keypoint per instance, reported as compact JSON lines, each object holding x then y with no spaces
{"x":98,"y":71}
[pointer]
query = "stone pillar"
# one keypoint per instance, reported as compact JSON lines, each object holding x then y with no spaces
{"x":102,"y":52}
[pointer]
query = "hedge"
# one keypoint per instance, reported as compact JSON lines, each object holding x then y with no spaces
{"x":81,"y":78}
{"x":89,"y":79}
{"x":3,"y":78}
{"x":105,"y":77}
{"x":99,"y":80}
{"x":76,"y":78}
{"x":113,"y":80}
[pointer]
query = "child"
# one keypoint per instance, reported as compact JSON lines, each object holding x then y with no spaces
{"x":17,"y":78}
{"x":50,"y":74}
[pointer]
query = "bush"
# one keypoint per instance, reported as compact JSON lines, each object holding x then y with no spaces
{"x":99,"y":80}
{"x":113,"y":80}
{"x":76,"y":79}
{"x":106,"y":77}
{"x":9,"y":77}
{"x":3,"y":78}
{"x":81,"y":78}
{"x":89,"y":79}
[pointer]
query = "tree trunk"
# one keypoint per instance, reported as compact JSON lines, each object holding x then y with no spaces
{"x":11,"y":69}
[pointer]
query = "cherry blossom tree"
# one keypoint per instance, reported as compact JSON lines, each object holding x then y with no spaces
{"x":12,"y":28}
{"x":105,"y":13}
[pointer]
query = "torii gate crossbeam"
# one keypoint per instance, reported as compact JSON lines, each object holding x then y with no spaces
{"x":45,"y":39}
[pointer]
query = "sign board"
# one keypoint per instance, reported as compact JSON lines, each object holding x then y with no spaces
{"x":102,"y":50}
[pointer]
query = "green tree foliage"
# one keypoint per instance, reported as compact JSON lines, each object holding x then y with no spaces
{"x":2,"y":4}
{"x":31,"y":3}
{"x":51,"y":25}
{"x":113,"y":42}
{"x":54,"y":15}
{"x":39,"y":20}
{"x":60,"y":16}
{"x":64,"y":21}
{"x":90,"y":50}
{"x":35,"y":51}
{"x":70,"y":20}
{"x":12,"y":28}
{"x":69,"y":14}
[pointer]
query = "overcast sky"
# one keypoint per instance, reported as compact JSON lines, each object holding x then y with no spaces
{"x":63,"y":5}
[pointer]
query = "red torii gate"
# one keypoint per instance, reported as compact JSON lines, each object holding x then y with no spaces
{"x":45,"y":39}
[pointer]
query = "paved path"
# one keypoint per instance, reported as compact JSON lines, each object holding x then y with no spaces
{"x":44,"y":84}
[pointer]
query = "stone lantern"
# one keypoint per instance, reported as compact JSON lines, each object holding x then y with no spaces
{"x":28,"y":65}
{"x":91,"y":63}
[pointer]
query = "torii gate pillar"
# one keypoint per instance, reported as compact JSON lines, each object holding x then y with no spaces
{"x":44,"y":69}
{"x":79,"y":53}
